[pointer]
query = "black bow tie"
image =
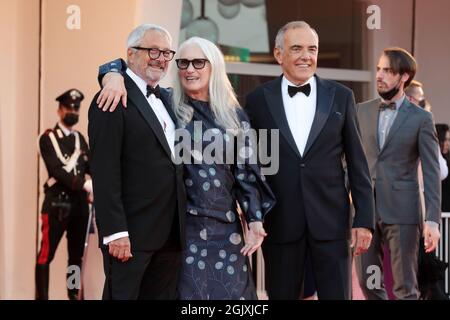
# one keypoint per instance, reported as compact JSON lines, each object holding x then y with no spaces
{"x":154,"y":90}
{"x":384,"y":106}
{"x":306,"y":89}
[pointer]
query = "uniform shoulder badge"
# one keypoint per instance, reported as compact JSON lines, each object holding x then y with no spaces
{"x":47,"y":132}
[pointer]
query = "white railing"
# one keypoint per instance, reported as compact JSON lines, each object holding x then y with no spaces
{"x":443,"y":249}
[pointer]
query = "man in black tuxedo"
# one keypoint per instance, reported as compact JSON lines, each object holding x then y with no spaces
{"x":140,"y":197}
{"x":319,"y":131}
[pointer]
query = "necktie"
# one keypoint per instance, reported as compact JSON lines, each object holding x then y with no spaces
{"x":306,"y":89}
{"x":384,"y":106}
{"x":154,"y":90}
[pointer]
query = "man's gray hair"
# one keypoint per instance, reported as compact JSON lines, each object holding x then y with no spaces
{"x":136,"y":36}
{"x":279,"y":40}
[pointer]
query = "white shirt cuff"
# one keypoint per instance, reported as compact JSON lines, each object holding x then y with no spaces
{"x":432,"y":224}
{"x":443,"y":167}
{"x":115,"y":236}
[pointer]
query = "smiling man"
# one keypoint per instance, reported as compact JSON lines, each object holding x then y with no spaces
{"x":140,"y":197}
{"x":317,"y":121}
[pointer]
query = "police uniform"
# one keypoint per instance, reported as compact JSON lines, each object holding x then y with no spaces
{"x":65,"y":207}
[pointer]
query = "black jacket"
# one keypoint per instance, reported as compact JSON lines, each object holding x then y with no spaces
{"x":137,"y":187}
{"x":310,"y":190}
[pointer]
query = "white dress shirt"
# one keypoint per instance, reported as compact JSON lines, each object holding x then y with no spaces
{"x":167,"y":125}
{"x":386,"y":119}
{"x":300,"y":111}
{"x":158,"y":108}
{"x":443,"y":169}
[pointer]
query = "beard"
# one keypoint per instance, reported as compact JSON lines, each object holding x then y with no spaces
{"x":153,"y":74}
{"x":389,"y":94}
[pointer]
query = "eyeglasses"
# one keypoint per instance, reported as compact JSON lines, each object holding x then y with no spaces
{"x":183,"y":64}
{"x":154,"y":53}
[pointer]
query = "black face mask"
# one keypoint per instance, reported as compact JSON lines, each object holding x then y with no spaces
{"x":388,"y":95}
{"x":70,"y":119}
{"x":422,"y":103}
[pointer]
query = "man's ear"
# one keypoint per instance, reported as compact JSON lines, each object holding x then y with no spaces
{"x":405,"y":78}
{"x":129,"y":53}
{"x":277,"y":53}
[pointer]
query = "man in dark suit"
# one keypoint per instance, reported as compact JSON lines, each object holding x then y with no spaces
{"x":317,"y":121}
{"x":140,"y":197}
{"x":397,"y":134}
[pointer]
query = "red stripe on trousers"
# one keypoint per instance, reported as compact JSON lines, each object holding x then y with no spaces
{"x":45,"y":242}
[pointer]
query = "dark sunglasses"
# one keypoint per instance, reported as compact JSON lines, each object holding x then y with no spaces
{"x":183,"y":64}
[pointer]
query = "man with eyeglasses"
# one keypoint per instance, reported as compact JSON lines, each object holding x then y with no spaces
{"x":140,"y":197}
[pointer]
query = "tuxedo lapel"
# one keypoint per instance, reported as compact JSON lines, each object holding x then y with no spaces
{"x":373,"y":118}
{"x":275,"y":104}
{"x":138,"y":99}
{"x":401,"y":117}
{"x":325,"y":95}
{"x":166,"y":98}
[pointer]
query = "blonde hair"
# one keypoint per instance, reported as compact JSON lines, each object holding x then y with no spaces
{"x":222,"y":98}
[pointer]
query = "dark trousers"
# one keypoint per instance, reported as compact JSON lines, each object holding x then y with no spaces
{"x":403,"y":241}
{"x":53,"y":229}
{"x":74,"y":223}
{"x":148,"y":275}
{"x":331,"y":268}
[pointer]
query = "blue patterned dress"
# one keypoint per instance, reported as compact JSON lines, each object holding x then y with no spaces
{"x":213,"y":267}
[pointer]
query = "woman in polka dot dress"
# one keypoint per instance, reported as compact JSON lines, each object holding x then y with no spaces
{"x":215,"y":261}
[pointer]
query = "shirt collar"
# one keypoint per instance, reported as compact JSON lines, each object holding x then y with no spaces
{"x":398,"y":102}
{"x":142,"y":85}
{"x":64,"y":129}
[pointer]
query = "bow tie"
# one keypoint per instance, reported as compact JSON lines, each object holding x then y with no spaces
{"x":154,"y":91}
{"x":384,"y":106}
{"x":306,"y":89}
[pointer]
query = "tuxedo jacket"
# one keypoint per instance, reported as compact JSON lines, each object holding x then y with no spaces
{"x":393,"y":169}
{"x":137,"y":186}
{"x":311,"y":190}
